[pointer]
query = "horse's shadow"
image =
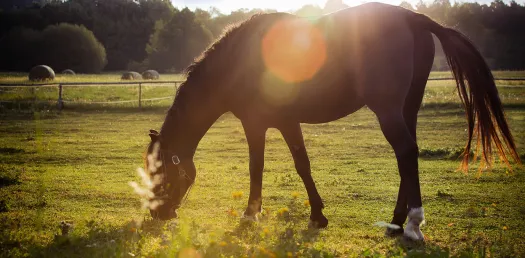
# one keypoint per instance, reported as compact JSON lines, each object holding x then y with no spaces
{"x":264,"y":240}
{"x":302,"y":241}
{"x":286,"y":234}
{"x":129,"y":239}
{"x":99,"y":240}
{"x":408,"y":248}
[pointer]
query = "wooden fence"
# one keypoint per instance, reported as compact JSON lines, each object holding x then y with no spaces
{"x":61,"y":85}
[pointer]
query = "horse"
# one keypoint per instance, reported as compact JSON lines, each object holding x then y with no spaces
{"x":277,"y":71}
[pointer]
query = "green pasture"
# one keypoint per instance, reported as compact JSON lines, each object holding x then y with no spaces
{"x":82,"y":96}
{"x":64,"y":183}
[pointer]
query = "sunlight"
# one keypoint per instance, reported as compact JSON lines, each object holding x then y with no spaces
{"x":293,"y":50}
{"x":269,"y":4}
{"x":227,"y":6}
{"x":275,"y":91}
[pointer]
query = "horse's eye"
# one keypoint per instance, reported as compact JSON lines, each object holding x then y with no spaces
{"x":175,"y":159}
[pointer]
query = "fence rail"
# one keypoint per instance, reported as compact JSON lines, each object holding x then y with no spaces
{"x":496,"y":79}
{"x":86,"y":84}
{"x":95,"y":84}
{"x":60,"y":101}
{"x":61,"y":85}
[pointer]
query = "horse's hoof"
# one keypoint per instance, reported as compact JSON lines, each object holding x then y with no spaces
{"x":318,"y":222}
{"x":413,"y":233}
{"x":393,"y":232}
{"x":415,"y":219}
{"x":249,"y":218}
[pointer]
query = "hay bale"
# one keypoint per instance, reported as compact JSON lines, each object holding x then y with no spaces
{"x":68,"y":72}
{"x":131,"y":76}
{"x":150,"y":75}
{"x":41,"y":73}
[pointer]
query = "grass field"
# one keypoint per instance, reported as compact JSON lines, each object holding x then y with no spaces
{"x":79,"y":96}
{"x":64,"y":184}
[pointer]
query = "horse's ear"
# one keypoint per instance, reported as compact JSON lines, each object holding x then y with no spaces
{"x":154,"y":137}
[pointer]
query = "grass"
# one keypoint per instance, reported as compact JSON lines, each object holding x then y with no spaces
{"x":64,"y":188}
{"x":438,"y":93}
{"x":81,"y":96}
{"x":497,"y":74}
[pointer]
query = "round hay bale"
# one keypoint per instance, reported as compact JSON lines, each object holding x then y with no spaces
{"x":131,"y":76}
{"x":68,"y":72}
{"x":150,"y":75}
{"x":41,"y":73}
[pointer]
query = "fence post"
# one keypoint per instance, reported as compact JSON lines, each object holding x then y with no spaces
{"x":60,"y":103}
{"x":140,"y":95}
{"x":33,"y":94}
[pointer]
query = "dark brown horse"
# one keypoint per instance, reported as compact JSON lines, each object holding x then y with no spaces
{"x":278,"y":71}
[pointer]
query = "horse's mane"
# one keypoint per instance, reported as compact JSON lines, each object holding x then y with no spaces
{"x":220,"y":43}
{"x":219,"y":48}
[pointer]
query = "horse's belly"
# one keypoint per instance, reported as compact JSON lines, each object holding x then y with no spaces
{"x":325,"y":108}
{"x":303,"y":104}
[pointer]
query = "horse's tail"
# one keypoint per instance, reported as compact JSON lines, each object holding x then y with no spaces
{"x":478,"y":92}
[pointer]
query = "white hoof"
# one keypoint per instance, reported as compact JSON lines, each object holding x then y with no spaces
{"x":412,"y":231}
{"x":252,"y":218}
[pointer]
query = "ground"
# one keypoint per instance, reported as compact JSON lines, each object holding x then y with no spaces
{"x":64,"y":183}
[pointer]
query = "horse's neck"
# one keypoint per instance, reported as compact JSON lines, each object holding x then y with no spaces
{"x":192,"y":114}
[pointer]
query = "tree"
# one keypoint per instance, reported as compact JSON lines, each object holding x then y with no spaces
{"x":124,"y":29}
{"x":407,"y":5}
{"x":18,"y":49}
{"x":334,"y":5}
{"x":130,"y":29}
{"x":176,"y":43}
{"x":67,"y":46}
{"x":495,"y":29}
{"x":63,"y":46}
{"x":309,"y":11}
{"x":9,"y":4}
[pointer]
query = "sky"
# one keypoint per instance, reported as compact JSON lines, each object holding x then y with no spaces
{"x":226,"y":6}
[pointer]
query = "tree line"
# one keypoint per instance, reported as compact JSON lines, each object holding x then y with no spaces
{"x":153,"y":34}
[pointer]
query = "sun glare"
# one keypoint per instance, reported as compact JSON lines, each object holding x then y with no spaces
{"x":293,"y":50}
{"x":270,"y":4}
{"x":227,"y":6}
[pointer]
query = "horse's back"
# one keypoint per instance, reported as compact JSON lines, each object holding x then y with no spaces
{"x":370,"y":51}
{"x":368,"y":57}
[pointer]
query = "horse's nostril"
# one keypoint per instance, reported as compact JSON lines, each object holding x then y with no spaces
{"x":154,"y":214}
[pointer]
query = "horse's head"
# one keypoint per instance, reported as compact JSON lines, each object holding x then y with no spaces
{"x":172,"y":176}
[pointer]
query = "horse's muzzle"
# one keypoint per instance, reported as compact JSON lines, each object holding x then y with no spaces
{"x":164,"y":214}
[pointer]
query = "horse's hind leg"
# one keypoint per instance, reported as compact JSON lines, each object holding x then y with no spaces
{"x":386,"y":98}
{"x":294,"y":138}
{"x":423,"y":59}
{"x":398,"y":135}
{"x":255,"y":136}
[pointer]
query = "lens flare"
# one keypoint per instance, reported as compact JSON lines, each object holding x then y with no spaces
{"x":277,"y":92}
{"x":294,"y":50}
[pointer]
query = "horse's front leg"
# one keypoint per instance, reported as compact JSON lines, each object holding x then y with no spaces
{"x":294,"y":138}
{"x":255,"y":135}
